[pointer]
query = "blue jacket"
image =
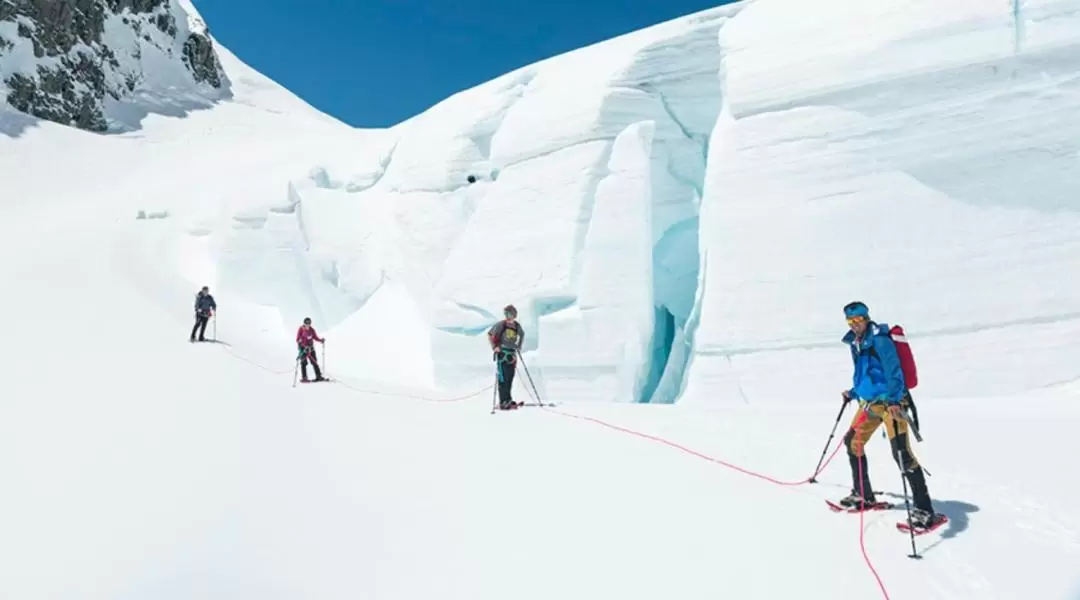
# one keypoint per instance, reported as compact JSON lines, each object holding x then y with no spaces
{"x":878,"y":376}
{"x":204,"y":303}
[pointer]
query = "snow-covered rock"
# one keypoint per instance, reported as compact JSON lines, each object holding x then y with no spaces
{"x":100,"y":64}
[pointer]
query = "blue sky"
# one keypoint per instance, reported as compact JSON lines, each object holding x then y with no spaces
{"x":373,"y":63}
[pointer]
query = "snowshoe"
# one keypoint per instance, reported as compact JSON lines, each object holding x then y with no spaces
{"x":922,"y":522}
{"x":854,"y":500}
{"x":855,"y":504}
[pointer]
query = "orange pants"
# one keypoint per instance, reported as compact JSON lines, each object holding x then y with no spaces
{"x":866,"y":422}
{"x":863,"y":426}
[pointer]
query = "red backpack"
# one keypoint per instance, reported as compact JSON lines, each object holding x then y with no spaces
{"x":907,"y":359}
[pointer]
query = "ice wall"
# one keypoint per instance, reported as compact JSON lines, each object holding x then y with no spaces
{"x":928,"y":166}
{"x":570,"y":188}
{"x":608,"y":332}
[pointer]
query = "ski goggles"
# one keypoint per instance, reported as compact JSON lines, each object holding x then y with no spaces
{"x":856,"y":320}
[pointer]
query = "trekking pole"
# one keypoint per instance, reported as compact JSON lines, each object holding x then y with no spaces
{"x":495,"y":401}
{"x":215,"y":326}
{"x":495,"y":389}
{"x":324,"y":359}
{"x":903,"y":480}
{"x":295,"y":371}
{"x":536,"y":392}
{"x":828,"y":442}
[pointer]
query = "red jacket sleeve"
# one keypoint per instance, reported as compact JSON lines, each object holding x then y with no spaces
{"x":298,"y":332}
{"x":315,"y":335}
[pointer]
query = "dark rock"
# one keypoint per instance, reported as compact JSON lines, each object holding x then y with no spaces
{"x":86,"y":70}
{"x":201,"y":60}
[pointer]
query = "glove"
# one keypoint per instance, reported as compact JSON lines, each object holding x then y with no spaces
{"x":846,"y":395}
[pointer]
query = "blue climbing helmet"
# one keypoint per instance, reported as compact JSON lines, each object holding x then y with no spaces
{"x":856,"y":309}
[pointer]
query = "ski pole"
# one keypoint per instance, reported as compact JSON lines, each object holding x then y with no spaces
{"x":215,"y":326}
{"x":903,"y":479}
{"x":539,"y":400}
{"x":324,"y":358}
{"x":295,"y":371}
{"x":828,"y":442}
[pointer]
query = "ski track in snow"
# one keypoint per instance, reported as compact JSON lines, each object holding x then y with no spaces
{"x":138,"y":466}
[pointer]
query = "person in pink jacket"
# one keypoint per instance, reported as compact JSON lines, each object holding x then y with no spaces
{"x":305,"y":343}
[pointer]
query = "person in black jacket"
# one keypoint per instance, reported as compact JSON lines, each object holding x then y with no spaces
{"x":506,"y":338}
{"x":204,"y":309}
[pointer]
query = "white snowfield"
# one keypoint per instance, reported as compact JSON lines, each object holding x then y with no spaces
{"x":679,"y":215}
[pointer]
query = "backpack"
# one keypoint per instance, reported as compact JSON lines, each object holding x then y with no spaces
{"x":907,"y":365}
{"x":907,"y":359}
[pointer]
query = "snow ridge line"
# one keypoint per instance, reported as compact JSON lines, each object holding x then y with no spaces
{"x":701,"y":455}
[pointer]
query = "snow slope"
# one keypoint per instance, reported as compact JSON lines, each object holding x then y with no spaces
{"x":137,"y":466}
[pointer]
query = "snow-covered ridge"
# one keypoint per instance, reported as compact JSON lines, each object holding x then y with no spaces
{"x":102,"y":65}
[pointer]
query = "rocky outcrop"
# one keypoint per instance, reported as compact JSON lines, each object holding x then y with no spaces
{"x":65,"y":60}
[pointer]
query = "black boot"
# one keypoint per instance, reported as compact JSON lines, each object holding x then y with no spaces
{"x":860,"y":489}
{"x":919,"y":495}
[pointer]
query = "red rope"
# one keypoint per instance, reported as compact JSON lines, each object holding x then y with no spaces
{"x":862,"y":545}
{"x":700,"y":454}
{"x":255,"y":363}
{"x":639,"y":434}
{"x":236,"y":354}
{"x":415,"y":397}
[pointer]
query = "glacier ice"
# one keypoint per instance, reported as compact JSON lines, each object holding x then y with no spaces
{"x":538,"y":226}
{"x":899,"y":166}
{"x":923,"y":167}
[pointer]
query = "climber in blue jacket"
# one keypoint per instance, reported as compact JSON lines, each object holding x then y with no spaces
{"x":877,"y":376}
{"x":878,"y":386}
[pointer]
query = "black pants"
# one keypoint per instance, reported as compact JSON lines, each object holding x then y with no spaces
{"x":200,"y":326}
{"x":507,"y":366}
{"x":309,"y":355}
